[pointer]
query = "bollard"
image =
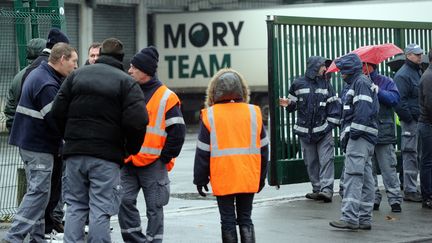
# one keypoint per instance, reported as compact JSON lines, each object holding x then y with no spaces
{"x":22,"y":184}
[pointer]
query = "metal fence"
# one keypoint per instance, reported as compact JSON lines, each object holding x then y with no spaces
{"x":17,"y":27}
{"x":291,"y":40}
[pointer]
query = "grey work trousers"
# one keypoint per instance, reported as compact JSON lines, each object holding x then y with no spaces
{"x":153,"y":180}
{"x":409,"y":142}
{"x":30,"y":216}
{"x":385,"y":157}
{"x":319,"y":161}
{"x":90,"y":185}
{"x":358,"y":198}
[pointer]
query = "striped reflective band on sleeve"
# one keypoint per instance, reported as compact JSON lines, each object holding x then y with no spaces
{"x":300,"y":129}
{"x":252,"y":149}
{"x":362,"y":97}
{"x":203,"y":146}
{"x":320,"y":128}
{"x":292,"y":97}
{"x":302,"y":91}
{"x":350,"y":92}
{"x":333,"y":120}
{"x":333,"y":98}
{"x":364,"y":128}
{"x":174,"y":120}
{"x":321,"y":91}
{"x":33,"y":113}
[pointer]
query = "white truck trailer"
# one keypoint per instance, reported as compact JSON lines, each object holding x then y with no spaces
{"x":194,"y":45}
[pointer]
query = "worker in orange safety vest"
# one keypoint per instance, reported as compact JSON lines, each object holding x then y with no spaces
{"x":231,"y":153}
{"x":148,"y":170}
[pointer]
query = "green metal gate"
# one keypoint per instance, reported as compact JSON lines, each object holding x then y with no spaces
{"x":291,"y":40}
{"x":26,"y":20}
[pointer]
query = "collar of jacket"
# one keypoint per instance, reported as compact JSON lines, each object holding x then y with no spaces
{"x":352,"y":77}
{"x":412,"y":64}
{"x":56,"y":75}
{"x":152,"y":83}
{"x":110,"y":61}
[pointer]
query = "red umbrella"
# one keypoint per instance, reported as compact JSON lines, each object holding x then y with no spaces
{"x":374,"y":54}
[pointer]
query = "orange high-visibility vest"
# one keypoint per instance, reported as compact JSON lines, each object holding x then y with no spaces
{"x":235,"y":147}
{"x":162,"y":100}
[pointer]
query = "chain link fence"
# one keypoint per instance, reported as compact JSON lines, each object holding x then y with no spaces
{"x":16,"y":28}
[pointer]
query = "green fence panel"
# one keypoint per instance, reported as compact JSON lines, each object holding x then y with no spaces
{"x":291,"y":40}
{"x":17,"y":27}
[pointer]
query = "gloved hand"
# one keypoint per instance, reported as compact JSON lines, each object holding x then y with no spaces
{"x":375,"y":88}
{"x":200,"y":190}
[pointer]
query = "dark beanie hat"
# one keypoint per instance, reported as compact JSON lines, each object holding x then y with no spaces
{"x":146,"y":60}
{"x":55,"y":36}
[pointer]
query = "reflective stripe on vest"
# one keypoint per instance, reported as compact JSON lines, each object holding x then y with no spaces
{"x":235,"y":147}
{"x":216,"y":152}
{"x":155,"y":137}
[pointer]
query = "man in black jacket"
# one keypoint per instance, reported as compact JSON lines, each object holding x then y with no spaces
{"x":425,"y":133}
{"x":407,"y":81}
{"x":102,"y":115}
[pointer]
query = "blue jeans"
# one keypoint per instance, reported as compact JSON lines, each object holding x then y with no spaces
{"x":425,"y":134}
{"x":243,"y":208}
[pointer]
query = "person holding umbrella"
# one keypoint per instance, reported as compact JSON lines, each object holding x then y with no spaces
{"x":407,"y":81}
{"x":359,"y":134}
{"x":384,"y":155}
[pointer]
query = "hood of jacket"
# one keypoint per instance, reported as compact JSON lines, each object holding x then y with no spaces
{"x":313,"y":66}
{"x":349,"y":64}
{"x":227,"y":84}
{"x":35,"y":48}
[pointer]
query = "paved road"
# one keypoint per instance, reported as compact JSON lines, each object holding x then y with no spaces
{"x":280,"y":215}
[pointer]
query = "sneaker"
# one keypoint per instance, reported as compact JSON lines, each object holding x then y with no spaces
{"x":413,"y":197}
{"x":325,"y":196}
{"x":396,"y":208}
{"x":312,"y":195}
{"x":340,"y":224}
{"x":365,"y":226}
{"x":376,"y":206}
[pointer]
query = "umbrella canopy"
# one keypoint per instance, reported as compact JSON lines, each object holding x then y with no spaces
{"x":374,"y":54}
{"x":399,"y":60}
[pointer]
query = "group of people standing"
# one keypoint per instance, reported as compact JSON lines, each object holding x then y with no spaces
{"x":364,"y":111}
{"x":98,"y":136}
{"x":115,"y":132}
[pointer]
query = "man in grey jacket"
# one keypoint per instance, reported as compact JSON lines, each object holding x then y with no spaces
{"x":407,"y":81}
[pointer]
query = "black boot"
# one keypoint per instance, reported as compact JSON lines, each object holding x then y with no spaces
{"x":247,"y":234}
{"x":229,"y":236}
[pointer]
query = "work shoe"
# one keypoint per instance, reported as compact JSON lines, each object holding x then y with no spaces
{"x":325,"y":196}
{"x":413,"y":197}
{"x":427,"y":204}
{"x":340,"y":224}
{"x":365,"y":226}
{"x":376,"y":206}
{"x":396,"y":208}
{"x":312,"y":195}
